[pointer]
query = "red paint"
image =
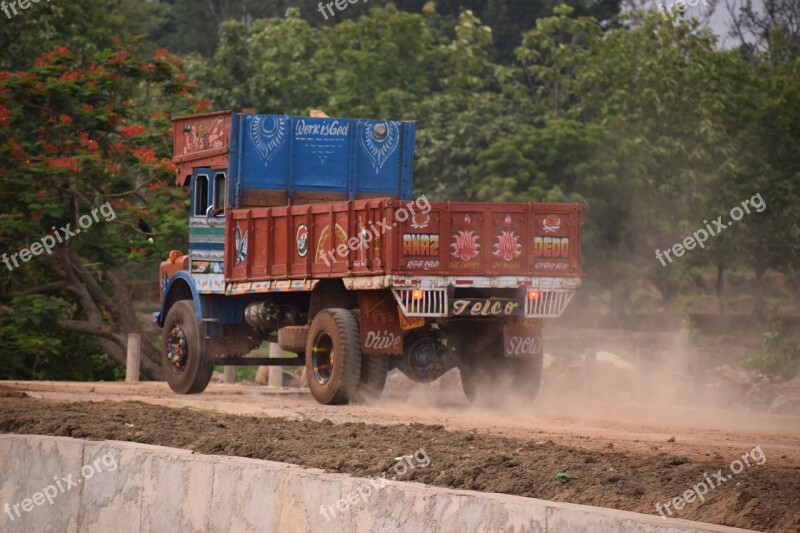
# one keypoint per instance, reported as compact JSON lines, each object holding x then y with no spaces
{"x":365,"y":242}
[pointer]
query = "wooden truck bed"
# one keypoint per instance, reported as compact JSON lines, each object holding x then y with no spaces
{"x":385,"y":236}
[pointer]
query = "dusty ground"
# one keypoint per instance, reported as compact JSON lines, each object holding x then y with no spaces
{"x":618,"y":456}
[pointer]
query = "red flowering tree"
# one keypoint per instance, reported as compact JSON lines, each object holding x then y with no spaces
{"x":86,"y":181}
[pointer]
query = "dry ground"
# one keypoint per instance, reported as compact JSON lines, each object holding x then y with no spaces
{"x":620,"y":456}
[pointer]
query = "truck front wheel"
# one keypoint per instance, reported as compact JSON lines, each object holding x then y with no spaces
{"x":187,"y":367}
{"x":333,"y":356}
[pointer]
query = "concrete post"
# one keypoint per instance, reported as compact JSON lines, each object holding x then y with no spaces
{"x":230,"y":374}
{"x":134,"y":355}
{"x":275,"y":372}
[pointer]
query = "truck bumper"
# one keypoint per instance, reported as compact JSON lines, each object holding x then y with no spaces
{"x":540,"y":297}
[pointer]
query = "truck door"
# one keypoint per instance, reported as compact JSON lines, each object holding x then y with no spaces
{"x":207,"y":229}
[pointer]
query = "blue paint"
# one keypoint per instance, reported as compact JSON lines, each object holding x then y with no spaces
{"x":180,"y":277}
{"x":325,"y":155}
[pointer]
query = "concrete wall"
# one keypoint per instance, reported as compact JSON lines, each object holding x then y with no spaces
{"x":156,"y":489}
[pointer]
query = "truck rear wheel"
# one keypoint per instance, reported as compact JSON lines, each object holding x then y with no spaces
{"x":490,"y":377}
{"x":333,"y":356}
{"x":186,"y":365}
{"x":374,"y":369}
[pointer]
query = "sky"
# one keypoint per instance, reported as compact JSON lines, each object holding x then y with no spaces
{"x":714,"y":13}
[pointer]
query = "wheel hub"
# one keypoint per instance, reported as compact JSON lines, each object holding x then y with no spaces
{"x":322,"y":359}
{"x":176,"y":348}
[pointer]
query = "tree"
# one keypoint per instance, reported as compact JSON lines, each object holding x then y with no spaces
{"x":85,"y":146}
{"x":83,"y":26}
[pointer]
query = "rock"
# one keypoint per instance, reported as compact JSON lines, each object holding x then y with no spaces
{"x":785,"y":406}
{"x":728,"y":385}
{"x":614,"y":360}
{"x":302,"y":379}
{"x":762,"y":393}
{"x":736,"y":376}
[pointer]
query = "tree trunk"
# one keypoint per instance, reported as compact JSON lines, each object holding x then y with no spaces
{"x":759,"y":293}
{"x":720,"y":287}
{"x":107,"y":317}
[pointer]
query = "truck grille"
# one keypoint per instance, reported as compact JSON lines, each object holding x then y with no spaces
{"x":434,"y":303}
{"x":422,"y":302}
{"x":548,"y":304}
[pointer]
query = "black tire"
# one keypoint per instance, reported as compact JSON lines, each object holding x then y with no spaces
{"x":526,"y":375}
{"x":488,"y":378}
{"x":333,"y":357}
{"x":374,"y":369}
{"x":478,"y":379}
{"x":187,"y":368}
{"x":293,"y":338}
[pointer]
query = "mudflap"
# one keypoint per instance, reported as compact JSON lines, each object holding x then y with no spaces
{"x":381,"y":331}
{"x":522,"y":340}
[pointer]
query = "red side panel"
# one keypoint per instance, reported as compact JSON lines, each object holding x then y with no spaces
{"x":490,"y":239}
{"x":383,"y":236}
{"x":557,"y":239}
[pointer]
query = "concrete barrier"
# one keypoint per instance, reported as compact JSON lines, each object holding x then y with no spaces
{"x":119,"y":486}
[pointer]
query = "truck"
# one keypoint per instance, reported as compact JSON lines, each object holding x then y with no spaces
{"x":303,"y":232}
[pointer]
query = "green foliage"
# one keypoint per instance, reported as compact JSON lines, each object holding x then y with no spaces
{"x":34,"y":349}
{"x":84,"y":26}
{"x":82,"y":136}
{"x":781,"y":355}
{"x":75,"y":136}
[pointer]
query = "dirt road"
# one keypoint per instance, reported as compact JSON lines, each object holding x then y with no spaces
{"x":620,"y":456}
{"x":592,"y":425}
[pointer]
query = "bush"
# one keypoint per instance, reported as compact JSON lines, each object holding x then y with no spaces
{"x":781,"y":356}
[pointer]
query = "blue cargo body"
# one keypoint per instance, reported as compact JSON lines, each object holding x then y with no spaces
{"x":332,"y":157}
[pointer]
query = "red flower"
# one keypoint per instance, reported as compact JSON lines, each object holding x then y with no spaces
{"x":65,"y":119}
{"x":59,"y":51}
{"x":202,"y":104}
{"x":86,"y":141}
{"x":119,"y":58}
{"x":5,"y":113}
{"x":68,"y":163}
{"x":132,"y":131}
{"x":119,"y":147}
{"x":16,"y":150}
{"x":145,"y":156}
{"x":70,"y":75}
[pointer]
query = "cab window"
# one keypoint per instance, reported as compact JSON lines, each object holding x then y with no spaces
{"x":201,"y":195}
{"x":219,"y":194}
